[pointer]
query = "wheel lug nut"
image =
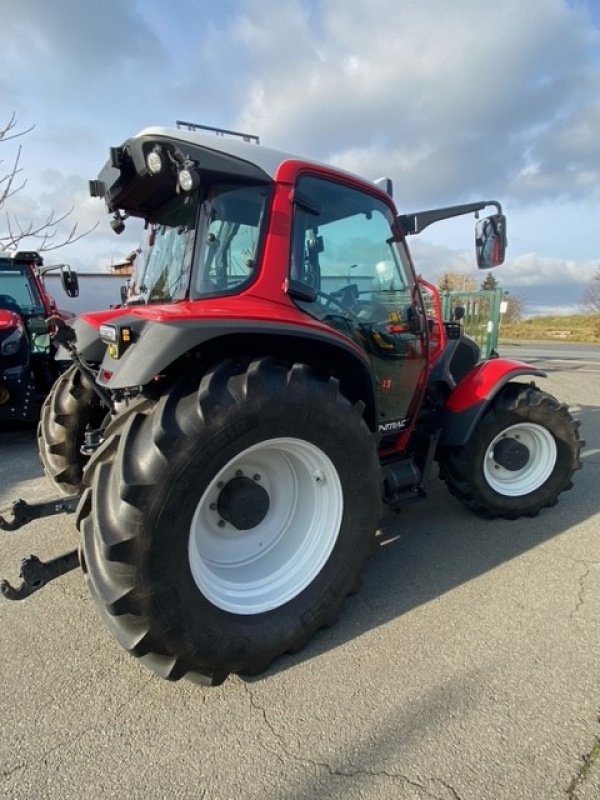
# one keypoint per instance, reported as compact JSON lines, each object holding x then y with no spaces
{"x":238,"y":473}
{"x":221,"y":523}
{"x":220,"y":485}
{"x":256,"y":477}
{"x":213,"y":506}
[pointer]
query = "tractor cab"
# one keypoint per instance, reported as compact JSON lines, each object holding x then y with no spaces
{"x":27,"y":366}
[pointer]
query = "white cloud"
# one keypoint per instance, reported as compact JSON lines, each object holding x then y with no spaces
{"x":69,"y":34}
{"x":531,"y":269}
{"x":542,"y":282}
{"x":454,"y":101}
{"x":446,"y":97}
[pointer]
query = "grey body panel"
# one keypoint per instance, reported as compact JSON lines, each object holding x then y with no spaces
{"x":158,"y":345}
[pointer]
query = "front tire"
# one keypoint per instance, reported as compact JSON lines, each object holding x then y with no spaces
{"x":520,"y":457}
{"x":227,"y":523}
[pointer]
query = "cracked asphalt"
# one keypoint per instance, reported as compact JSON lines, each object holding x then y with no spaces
{"x":466,"y":668}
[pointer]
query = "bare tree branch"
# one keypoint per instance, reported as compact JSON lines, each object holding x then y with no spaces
{"x":8,"y":180}
{"x":46,"y":231}
{"x":591,"y":298}
{"x":5,"y":132}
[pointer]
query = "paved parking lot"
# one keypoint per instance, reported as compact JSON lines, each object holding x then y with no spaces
{"x":467,"y":668}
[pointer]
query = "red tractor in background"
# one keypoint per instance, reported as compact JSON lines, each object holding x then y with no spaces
{"x":230,"y":436}
{"x":28,"y":367}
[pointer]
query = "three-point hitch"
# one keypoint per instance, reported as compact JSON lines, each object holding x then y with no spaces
{"x":34,"y":573}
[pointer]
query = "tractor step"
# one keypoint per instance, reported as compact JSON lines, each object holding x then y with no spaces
{"x":24,"y":512}
{"x":35,"y":574}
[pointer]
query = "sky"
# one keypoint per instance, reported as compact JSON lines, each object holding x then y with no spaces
{"x":455,"y":101}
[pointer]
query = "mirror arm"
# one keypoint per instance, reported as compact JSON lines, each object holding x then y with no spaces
{"x":417,"y":221}
{"x":51,"y":267}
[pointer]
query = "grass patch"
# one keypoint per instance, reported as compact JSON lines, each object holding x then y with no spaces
{"x":587,"y":764}
{"x":572,"y":328}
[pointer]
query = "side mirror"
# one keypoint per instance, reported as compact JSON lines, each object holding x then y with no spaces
{"x":124,"y":289}
{"x":459,"y":312}
{"x":70,"y":282}
{"x":490,"y":241}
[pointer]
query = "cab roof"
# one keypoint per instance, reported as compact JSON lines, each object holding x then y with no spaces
{"x":126,"y":183}
{"x":264,"y":158}
{"x":21,"y":257}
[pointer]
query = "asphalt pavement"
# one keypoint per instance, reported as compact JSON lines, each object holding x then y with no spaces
{"x":466,"y":668}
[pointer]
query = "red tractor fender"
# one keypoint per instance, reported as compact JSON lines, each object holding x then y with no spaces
{"x":471,"y":397}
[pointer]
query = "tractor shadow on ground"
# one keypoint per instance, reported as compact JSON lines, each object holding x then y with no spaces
{"x":435,"y":545}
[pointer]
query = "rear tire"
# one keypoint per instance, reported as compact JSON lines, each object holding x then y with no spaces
{"x":227,"y":523}
{"x":68,"y":410}
{"x":520,"y":457}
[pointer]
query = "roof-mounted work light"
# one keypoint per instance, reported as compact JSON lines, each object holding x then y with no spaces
{"x":188,"y":178}
{"x":155,"y":160}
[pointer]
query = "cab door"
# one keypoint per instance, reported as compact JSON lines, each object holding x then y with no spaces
{"x":345,"y":248}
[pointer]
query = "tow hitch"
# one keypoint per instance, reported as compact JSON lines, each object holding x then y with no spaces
{"x":35,"y":573}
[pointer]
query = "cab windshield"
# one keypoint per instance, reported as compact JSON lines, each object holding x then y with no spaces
{"x":164,"y":264}
{"x":232,"y":218}
{"x":17,"y":288}
{"x":202,"y":245}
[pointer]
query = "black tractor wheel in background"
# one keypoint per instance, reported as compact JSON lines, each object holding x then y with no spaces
{"x":225,"y":524}
{"x":70,"y":408}
{"x":520,"y":457}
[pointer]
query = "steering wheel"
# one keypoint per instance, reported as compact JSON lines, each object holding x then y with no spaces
{"x":331,"y":299}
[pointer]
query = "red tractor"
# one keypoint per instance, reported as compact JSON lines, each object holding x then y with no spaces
{"x":230,"y":436}
{"x":28,"y":367}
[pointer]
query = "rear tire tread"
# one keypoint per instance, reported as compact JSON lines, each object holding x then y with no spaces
{"x":122,"y":473}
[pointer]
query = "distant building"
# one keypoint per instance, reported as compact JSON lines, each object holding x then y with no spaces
{"x":122,"y":268}
{"x":125,"y":266}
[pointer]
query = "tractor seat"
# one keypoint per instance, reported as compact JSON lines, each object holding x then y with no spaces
{"x":8,"y":302}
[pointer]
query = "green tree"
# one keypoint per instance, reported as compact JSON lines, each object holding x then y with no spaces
{"x":490,"y":282}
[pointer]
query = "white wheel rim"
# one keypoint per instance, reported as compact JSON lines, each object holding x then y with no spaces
{"x":542,"y":460}
{"x":256,"y":570}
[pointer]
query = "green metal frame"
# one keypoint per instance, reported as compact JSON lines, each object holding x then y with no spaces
{"x":482,"y":315}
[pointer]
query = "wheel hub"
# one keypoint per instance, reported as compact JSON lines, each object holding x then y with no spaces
{"x":259,"y":567}
{"x":511,"y":454}
{"x":243,"y":503}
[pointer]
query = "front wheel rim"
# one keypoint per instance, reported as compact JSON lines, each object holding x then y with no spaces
{"x":259,"y":569}
{"x":542,"y":459}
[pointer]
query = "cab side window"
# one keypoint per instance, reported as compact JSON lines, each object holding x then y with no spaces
{"x":343,"y":248}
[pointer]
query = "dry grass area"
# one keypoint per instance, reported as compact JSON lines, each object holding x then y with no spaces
{"x":574,"y":328}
